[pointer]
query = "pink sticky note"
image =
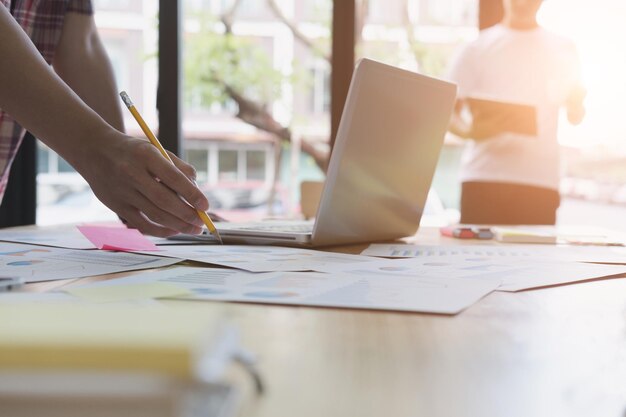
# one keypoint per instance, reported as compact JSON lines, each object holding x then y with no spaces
{"x":116,"y":238}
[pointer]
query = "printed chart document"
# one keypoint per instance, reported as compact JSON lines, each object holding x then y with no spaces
{"x":68,"y":237}
{"x":129,"y":292}
{"x":610,"y":255}
{"x":264,"y":258}
{"x":42,"y":263}
{"x":547,"y":274}
{"x":518,"y":270}
{"x":442,"y":295}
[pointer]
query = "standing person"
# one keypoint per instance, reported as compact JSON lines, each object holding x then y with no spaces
{"x":56,"y":81}
{"x":510,"y":178}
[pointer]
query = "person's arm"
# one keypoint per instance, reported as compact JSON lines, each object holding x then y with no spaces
{"x":458,"y":126}
{"x":575,"y":105}
{"x":461,"y":71}
{"x":81,"y":61}
{"x":478,"y":128}
{"x":576,"y":92}
{"x":121,"y":170}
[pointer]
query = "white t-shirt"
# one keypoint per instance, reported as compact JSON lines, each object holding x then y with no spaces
{"x":534,"y":67}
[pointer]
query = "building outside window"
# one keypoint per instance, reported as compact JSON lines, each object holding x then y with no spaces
{"x":275,"y":55}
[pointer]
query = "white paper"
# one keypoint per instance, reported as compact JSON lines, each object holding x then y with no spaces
{"x":600,"y":254}
{"x":66,"y":237}
{"x":518,"y":267}
{"x":265,"y":258}
{"x":69,"y":238}
{"x":546,"y":274}
{"x":45,"y":263}
{"x":516,"y":272}
{"x":443,"y":295}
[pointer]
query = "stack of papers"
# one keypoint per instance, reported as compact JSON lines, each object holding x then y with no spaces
{"x":264,"y":258}
{"x":70,"y":238}
{"x":520,"y":267}
{"x":356,"y":289}
{"x":433,"y":279}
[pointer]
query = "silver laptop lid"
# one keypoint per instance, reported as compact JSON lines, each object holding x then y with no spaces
{"x":384,"y":157}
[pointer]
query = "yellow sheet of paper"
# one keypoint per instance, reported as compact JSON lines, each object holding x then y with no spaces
{"x":160,"y":339}
{"x":128,"y":292}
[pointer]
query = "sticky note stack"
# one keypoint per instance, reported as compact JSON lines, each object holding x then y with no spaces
{"x":525,"y":235}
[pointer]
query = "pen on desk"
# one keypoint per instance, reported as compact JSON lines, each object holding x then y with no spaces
{"x":153,"y":140}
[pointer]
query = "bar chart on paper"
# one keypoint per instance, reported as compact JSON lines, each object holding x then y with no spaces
{"x":349,"y":290}
{"x":39,"y":263}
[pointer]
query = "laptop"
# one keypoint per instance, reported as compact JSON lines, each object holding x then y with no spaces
{"x":387,"y":146}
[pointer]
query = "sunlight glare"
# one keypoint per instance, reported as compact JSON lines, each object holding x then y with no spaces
{"x":599,"y":29}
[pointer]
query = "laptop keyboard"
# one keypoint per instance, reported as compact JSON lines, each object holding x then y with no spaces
{"x":296,"y":228}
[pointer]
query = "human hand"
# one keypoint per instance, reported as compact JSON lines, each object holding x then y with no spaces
{"x":132,"y":178}
{"x":481,"y":126}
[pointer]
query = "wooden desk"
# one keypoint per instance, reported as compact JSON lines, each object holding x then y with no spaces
{"x":550,"y":352}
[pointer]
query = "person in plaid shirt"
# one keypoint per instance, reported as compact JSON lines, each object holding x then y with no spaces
{"x":56,"y":81}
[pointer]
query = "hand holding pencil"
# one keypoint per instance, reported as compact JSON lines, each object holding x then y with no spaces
{"x":202,"y":215}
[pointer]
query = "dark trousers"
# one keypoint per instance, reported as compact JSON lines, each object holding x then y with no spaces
{"x":506,"y":203}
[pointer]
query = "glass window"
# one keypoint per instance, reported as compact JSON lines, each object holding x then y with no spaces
{"x":256,"y":78}
{"x":255,"y":165}
{"x":199,"y":158}
{"x":320,"y":91}
{"x":128,"y":30}
{"x":64,"y":166}
{"x":421,"y":35}
{"x":593,"y":152}
{"x":416,"y":34}
{"x":43,"y":156}
{"x":228,"y":166}
{"x":118,"y":5}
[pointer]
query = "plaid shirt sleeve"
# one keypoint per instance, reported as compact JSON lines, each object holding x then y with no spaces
{"x":42,"y":21}
{"x":80,"y":6}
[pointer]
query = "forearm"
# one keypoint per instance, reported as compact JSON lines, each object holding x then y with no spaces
{"x":81,"y":61}
{"x":576,"y":114}
{"x":39,"y":100}
{"x":121,"y":170}
{"x":575,"y":105}
{"x":458,"y":126}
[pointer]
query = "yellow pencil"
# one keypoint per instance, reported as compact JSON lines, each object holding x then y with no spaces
{"x":146,"y":130}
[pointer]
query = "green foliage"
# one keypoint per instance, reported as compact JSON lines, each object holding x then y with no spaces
{"x":212,"y":59}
